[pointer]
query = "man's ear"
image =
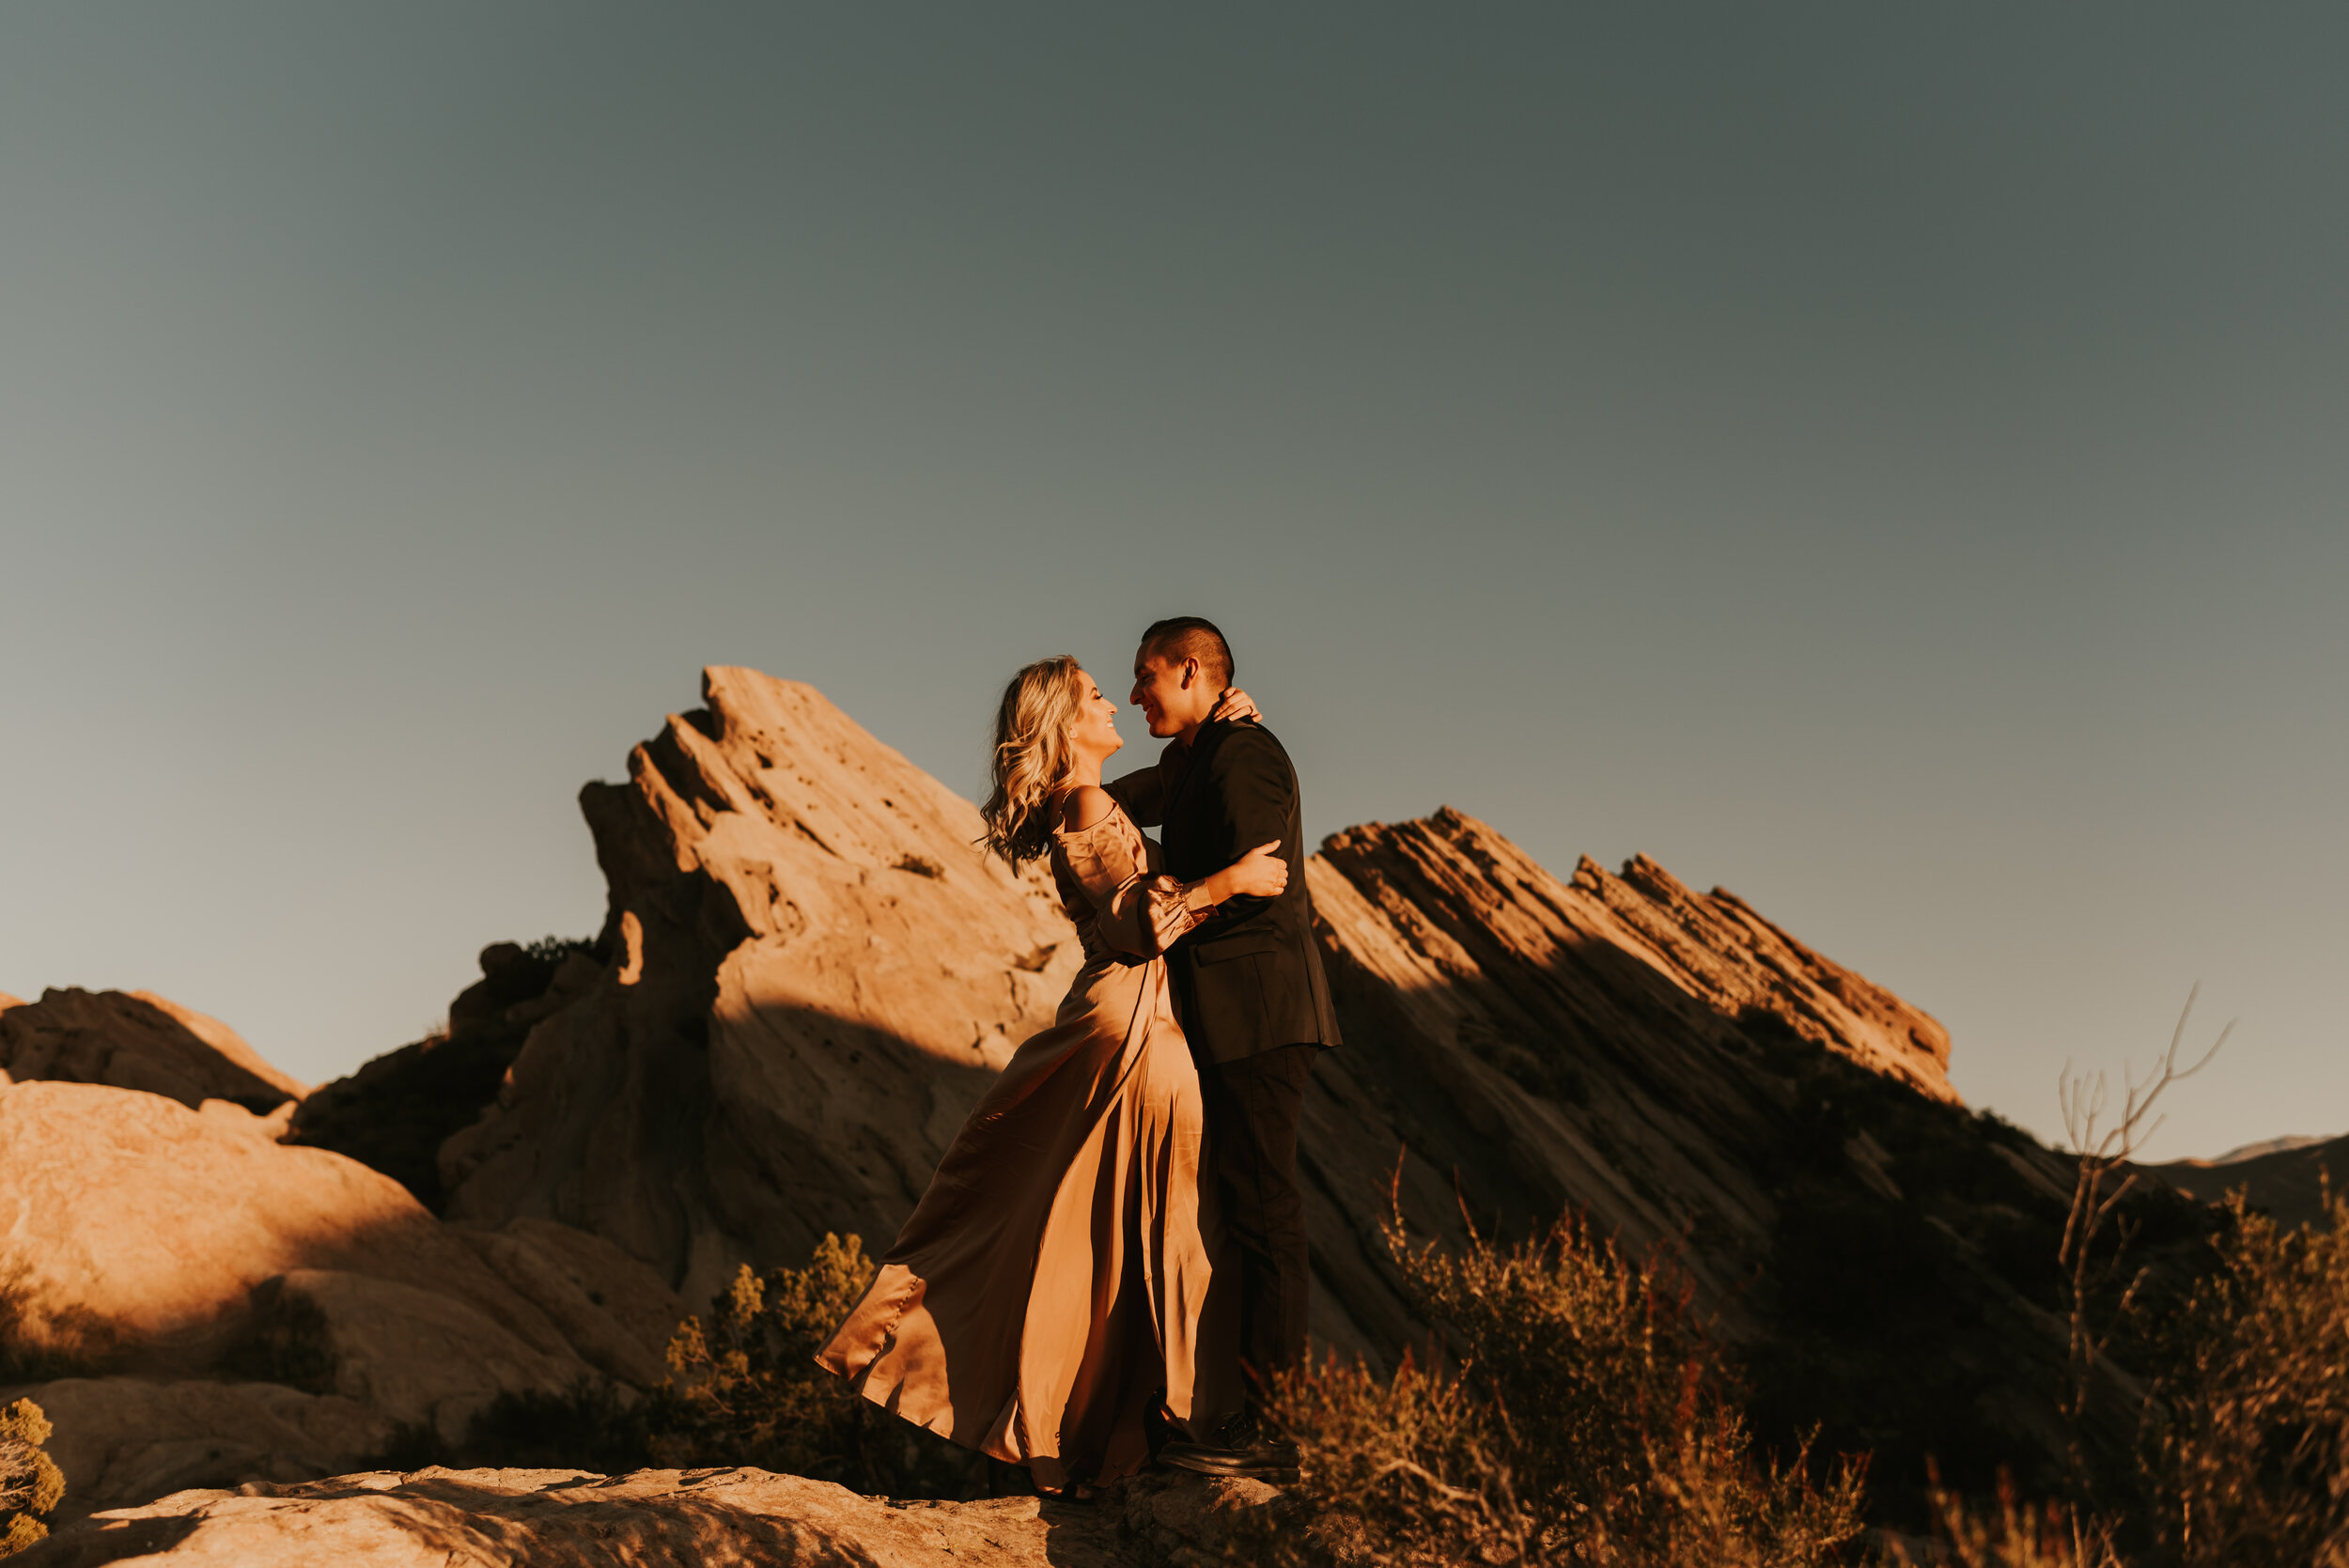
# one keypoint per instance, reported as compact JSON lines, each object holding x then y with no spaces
{"x":1190,"y":668}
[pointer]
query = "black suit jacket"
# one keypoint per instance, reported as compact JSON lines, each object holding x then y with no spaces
{"x":1249,"y":978}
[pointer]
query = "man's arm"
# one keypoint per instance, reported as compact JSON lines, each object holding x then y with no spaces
{"x":1143,"y":793}
{"x":1252,"y":778}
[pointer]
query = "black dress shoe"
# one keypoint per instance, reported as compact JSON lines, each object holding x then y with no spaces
{"x":1239,"y":1446}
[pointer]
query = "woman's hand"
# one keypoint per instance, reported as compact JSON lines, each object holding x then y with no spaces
{"x":1258,"y":873}
{"x":1235,"y":706}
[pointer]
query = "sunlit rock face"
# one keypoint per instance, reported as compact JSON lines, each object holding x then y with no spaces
{"x":811,"y":973}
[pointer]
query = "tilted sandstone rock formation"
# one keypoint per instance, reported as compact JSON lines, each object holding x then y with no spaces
{"x":1586,"y":1045}
{"x":138,"y":1040}
{"x":571,"y":1519}
{"x":1675,"y":1068}
{"x":813,"y":972}
{"x":807,"y":973}
{"x":174,"y":1249}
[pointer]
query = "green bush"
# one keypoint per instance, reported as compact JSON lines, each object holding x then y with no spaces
{"x":1592,"y":1420}
{"x":745,"y":1389}
{"x":30,"y":1483}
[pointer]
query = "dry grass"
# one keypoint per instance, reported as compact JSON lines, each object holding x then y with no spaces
{"x":2013,"y":1535}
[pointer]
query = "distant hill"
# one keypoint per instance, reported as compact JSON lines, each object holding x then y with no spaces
{"x":2286,"y":1176}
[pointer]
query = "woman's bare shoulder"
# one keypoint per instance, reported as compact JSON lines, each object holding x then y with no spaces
{"x":1085,"y":807}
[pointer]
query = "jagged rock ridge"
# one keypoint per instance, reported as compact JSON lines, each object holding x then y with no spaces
{"x":1587,"y":1045}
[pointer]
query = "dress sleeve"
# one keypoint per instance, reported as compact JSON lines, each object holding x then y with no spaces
{"x":1134,"y":910}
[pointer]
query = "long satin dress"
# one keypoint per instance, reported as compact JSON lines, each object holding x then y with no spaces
{"x":1050,"y":1285}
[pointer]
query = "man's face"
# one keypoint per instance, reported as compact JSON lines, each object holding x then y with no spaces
{"x":1170,"y":693}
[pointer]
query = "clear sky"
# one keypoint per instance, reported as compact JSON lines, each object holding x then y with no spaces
{"x":1890,"y":461}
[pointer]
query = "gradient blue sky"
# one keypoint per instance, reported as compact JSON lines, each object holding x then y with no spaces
{"x":1891,"y":461}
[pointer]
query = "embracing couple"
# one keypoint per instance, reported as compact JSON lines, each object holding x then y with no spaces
{"x":1115,"y":1241}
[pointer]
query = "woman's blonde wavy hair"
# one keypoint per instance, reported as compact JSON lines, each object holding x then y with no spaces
{"x":1031,"y":757}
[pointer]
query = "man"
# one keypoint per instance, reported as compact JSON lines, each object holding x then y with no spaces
{"x":1249,"y":992}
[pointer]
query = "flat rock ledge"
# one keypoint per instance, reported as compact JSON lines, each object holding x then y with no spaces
{"x":443,"y":1518}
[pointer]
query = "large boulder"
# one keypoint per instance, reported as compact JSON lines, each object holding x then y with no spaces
{"x":192,"y":1259}
{"x":137,"y":1040}
{"x":812,"y":974}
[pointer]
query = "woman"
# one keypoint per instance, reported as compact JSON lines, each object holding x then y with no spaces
{"x":1048,"y":1292}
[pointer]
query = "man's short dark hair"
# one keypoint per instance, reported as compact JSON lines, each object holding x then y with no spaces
{"x":1181,"y":637}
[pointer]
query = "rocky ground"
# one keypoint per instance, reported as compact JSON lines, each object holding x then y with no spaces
{"x":569,"y":1519}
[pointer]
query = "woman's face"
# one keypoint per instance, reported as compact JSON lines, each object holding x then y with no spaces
{"x":1095,"y":733}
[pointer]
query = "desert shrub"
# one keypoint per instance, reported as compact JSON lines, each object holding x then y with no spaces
{"x":745,"y":1389}
{"x":30,"y":1483}
{"x":1592,"y":1420}
{"x":554,"y":949}
{"x":1399,"y":1474}
{"x":2248,"y":1440}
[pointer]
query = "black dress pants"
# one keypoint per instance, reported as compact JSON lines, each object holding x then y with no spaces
{"x":1251,"y":1106}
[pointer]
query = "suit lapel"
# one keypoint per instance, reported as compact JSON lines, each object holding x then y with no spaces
{"x":1184,"y":798}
